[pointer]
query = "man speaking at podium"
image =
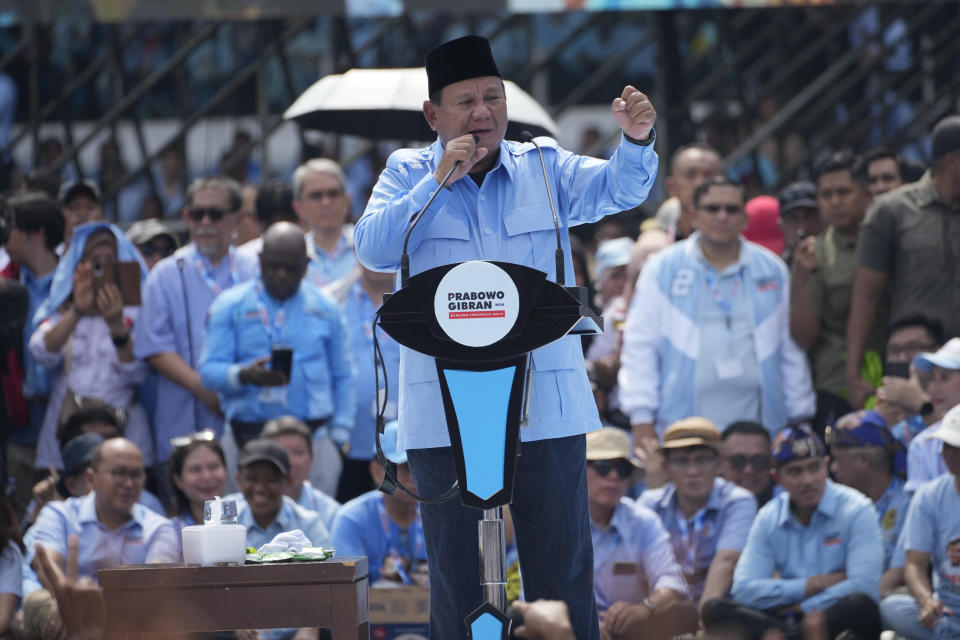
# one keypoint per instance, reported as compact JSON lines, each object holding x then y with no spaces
{"x":495,"y":207}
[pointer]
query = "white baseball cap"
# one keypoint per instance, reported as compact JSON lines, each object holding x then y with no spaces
{"x":613,"y":253}
{"x":949,"y":429}
{"x":946,"y":357}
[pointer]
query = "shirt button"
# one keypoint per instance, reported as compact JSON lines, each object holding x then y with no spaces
{"x":487,"y":231}
{"x":483,"y":198}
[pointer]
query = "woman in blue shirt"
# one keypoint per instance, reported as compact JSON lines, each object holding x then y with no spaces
{"x":198,"y":472}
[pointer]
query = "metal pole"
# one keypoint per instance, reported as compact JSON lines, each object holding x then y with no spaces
{"x":493,"y":558}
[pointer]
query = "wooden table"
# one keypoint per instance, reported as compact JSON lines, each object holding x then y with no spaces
{"x":173,"y":599}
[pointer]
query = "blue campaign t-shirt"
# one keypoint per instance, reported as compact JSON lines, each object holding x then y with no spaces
{"x":933,"y":526}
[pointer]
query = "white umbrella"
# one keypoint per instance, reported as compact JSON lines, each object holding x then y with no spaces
{"x":387,"y":104}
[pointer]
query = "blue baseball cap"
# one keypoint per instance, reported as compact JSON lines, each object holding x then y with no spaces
{"x":388,"y":442}
{"x":78,"y":452}
{"x":796,"y":443}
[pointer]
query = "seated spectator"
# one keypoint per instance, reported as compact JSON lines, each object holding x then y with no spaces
{"x":198,"y":472}
{"x":924,"y":461}
{"x":817,"y":546}
{"x":747,"y":461}
{"x":276,"y":309}
{"x":77,"y":455}
{"x":86,"y":341}
{"x":295,"y":438}
{"x":113,"y":529}
{"x":263,"y":472}
{"x":707,"y":517}
{"x":385,"y":527}
{"x":867,"y":458}
{"x":154,"y":240}
{"x":637,"y":582}
{"x":610,"y":269}
{"x":11,"y":565}
{"x":932,"y":543}
{"x":902,"y":399}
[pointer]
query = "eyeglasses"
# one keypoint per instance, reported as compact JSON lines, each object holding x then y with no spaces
{"x":205,"y":435}
{"x":713,"y":209}
{"x":119,"y":474}
{"x":149,"y":250}
{"x":682,"y":462}
{"x":759,"y":462}
{"x":197,"y":213}
{"x":320,"y":194}
{"x":603,"y":467}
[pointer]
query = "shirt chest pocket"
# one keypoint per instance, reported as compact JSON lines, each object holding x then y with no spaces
{"x":532,"y":237}
{"x":447,"y":240}
{"x":834,"y":554}
{"x":252,"y":338}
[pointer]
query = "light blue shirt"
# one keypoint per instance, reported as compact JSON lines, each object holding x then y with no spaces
{"x":11,"y":569}
{"x":728,"y":374}
{"x":632,"y":557}
{"x":843,"y":535}
{"x":507,"y":219}
{"x":145,"y":538}
{"x":326,"y":267}
{"x":723,"y":523}
{"x":932,"y":523}
{"x":892,"y":510}
{"x":243,"y":325}
{"x":312,"y":499}
{"x":363,"y":528}
{"x":291,"y":516}
{"x":924,"y":458}
{"x":169,"y":323}
{"x":358,"y":312}
{"x":38,"y":380}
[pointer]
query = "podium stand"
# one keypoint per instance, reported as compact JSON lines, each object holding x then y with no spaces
{"x":480,"y":320}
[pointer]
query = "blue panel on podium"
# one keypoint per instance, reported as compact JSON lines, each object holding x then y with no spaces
{"x":486,"y":622}
{"x":480,"y":400}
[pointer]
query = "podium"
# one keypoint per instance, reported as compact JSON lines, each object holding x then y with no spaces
{"x":480,"y":321}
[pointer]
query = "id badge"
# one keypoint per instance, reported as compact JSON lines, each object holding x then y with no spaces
{"x":274,"y":395}
{"x":728,"y":368}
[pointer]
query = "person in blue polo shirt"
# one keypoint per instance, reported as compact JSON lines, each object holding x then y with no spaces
{"x":279,"y":309}
{"x":295,"y":438}
{"x":869,"y":459}
{"x":385,"y":527}
{"x":816,"y":546}
{"x":263,"y":470}
{"x":932,"y":542}
{"x":636,"y":579}
{"x":708,"y":518}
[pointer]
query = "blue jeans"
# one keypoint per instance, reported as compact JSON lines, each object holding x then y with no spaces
{"x":552,"y":526}
{"x":901,"y":612}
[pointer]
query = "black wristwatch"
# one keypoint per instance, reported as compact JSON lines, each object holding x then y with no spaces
{"x":926,"y":408}
{"x":120,"y":341}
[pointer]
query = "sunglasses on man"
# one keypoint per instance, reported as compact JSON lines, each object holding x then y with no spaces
{"x":759,"y":462}
{"x":603,"y":467}
{"x":197,"y":213}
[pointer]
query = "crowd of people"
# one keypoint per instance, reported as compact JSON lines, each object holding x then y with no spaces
{"x":778,"y":380}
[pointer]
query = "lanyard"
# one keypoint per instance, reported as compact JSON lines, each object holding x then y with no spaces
{"x":725,"y":304}
{"x":274,"y":329}
{"x":207,"y":274}
{"x":690,"y":540}
{"x":406,"y":543}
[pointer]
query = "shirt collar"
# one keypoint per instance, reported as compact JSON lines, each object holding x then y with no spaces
{"x":669,"y":497}
{"x":926,"y":192}
{"x":835,"y":237}
{"x":33,"y":281}
{"x":827,"y":505}
{"x":504,"y":159}
{"x":741,"y":262}
{"x":87,"y":511}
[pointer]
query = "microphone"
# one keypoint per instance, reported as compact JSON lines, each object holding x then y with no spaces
{"x":526,"y":136}
{"x":404,"y":258}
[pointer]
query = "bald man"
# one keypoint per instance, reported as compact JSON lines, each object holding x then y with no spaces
{"x":112,"y":527}
{"x":276,"y":346}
